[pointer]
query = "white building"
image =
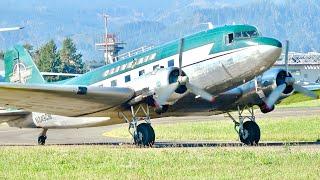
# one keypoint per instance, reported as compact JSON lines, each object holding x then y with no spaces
{"x":305,"y":67}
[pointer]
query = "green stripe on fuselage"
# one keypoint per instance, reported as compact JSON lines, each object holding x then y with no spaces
{"x":202,"y":38}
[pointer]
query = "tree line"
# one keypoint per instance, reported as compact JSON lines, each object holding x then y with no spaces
{"x":49,"y":58}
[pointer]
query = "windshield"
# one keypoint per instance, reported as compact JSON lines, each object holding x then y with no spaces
{"x":246,"y":34}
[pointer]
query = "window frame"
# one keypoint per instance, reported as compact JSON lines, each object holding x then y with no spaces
{"x":113,"y":83}
{"x":169,"y":63}
{"x":142,"y":72}
{"x":127,"y":78}
{"x":155,"y":67}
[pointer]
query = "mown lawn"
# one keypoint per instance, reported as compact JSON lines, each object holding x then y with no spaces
{"x":276,"y":129}
{"x":300,"y":100}
{"x":101,"y":162}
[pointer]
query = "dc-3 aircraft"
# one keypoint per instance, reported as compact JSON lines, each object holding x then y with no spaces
{"x":197,"y":73}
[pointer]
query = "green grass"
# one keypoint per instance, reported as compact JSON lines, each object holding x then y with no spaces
{"x":300,"y":100}
{"x":100,"y":162}
{"x":308,"y":103}
{"x":284,"y":129}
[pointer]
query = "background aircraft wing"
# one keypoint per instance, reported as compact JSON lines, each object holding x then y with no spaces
{"x":313,"y":87}
{"x":10,"y":29}
{"x":65,"y":100}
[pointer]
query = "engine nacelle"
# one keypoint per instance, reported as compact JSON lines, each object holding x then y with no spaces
{"x":256,"y":91}
{"x":273,"y":78}
{"x":155,"y":83}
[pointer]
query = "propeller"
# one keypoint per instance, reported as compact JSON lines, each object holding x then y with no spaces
{"x":182,"y":80}
{"x":289,"y":81}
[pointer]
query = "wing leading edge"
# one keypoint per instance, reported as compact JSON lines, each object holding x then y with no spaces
{"x":65,"y":100}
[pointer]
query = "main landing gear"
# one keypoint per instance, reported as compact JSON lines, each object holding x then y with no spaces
{"x":247,"y":128}
{"x":143,"y":134}
{"x":42,"y":137}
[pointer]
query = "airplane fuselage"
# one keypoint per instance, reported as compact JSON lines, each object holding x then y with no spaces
{"x":215,"y":60}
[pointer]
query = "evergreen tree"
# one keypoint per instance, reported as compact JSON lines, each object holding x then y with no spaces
{"x":71,"y":60}
{"x":48,"y":60}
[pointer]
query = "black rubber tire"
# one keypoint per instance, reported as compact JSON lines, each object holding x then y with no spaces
{"x":145,"y":135}
{"x":251,"y":135}
{"x":42,"y":140}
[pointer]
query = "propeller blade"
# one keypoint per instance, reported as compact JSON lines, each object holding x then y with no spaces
{"x":275,"y":95}
{"x":200,"y":92}
{"x":286,"y":58}
{"x":305,"y":91}
{"x":165,"y":93}
{"x":181,"y":43}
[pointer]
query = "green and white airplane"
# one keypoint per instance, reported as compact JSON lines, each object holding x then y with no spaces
{"x":173,"y":79}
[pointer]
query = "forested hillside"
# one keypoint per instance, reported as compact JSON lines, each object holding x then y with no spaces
{"x":146,"y":22}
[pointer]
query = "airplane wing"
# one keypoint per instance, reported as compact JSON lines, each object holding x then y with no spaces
{"x":313,"y":87}
{"x":65,"y":100}
{"x":10,"y":29}
{"x":11,"y":115}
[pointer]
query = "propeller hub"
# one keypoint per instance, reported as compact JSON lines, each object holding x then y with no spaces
{"x":183,"y":80}
{"x":290,"y":81}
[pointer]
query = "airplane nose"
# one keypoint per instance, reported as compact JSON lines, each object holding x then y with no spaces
{"x":269,"y":41}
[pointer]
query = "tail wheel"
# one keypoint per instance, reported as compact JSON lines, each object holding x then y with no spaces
{"x":250,"y":135}
{"x":144,"y":135}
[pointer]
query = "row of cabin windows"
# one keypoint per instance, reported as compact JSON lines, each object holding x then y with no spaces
{"x":127,"y":78}
{"x":131,"y":64}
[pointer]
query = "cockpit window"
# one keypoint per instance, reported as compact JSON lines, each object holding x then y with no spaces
{"x":246,"y":34}
{"x":229,"y":38}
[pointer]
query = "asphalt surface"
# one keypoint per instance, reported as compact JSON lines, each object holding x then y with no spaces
{"x":94,"y":136}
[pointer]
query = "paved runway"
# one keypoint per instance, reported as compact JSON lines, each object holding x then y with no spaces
{"x":85,"y":136}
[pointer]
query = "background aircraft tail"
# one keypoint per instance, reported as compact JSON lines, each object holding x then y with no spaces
{"x":20,"y":68}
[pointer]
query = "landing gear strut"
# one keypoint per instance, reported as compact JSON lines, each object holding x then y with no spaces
{"x":42,"y":137}
{"x":142,"y":134}
{"x":247,"y":128}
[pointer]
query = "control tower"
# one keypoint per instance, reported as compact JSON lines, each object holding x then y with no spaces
{"x":110,"y":45}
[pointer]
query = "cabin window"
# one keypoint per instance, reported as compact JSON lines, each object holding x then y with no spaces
{"x":156,"y":67}
{"x":127,"y":78}
{"x":229,"y":38}
{"x":171,"y":63}
{"x":113,"y":83}
{"x":141,"y":72}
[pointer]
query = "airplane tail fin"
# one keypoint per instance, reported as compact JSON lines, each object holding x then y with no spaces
{"x":20,"y":68}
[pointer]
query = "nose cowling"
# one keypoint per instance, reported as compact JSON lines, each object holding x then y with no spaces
{"x":268,"y":41}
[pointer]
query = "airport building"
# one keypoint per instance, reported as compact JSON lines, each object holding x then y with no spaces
{"x":305,"y":67}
